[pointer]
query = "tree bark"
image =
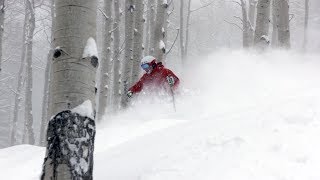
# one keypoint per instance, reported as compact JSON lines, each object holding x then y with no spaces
{"x":71,"y":131}
{"x":2,"y":14}
{"x":116,"y":67}
{"x":159,"y":46}
{"x":262,"y":23}
{"x":252,"y":12}
{"x":47,"y":79}
{"x":138,"y":40}
{"x":29,"y":133}
{"x":245,"y":26}
{"x":106,"y":63}
{"x":18,"y":93}
{"x":306,"y":23}
{"x":182,"y":31}
{"x":275,"y":23}
{"x":127,"y":63}
{"x":284,"y":27}
{"x":187,"y":30}
{"x":150,"y":26}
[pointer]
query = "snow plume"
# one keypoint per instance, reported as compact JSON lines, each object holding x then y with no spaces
{"x":90,"y":49}
{"x":240,"y":115}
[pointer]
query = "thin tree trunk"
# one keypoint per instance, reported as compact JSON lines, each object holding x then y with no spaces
{"x":262,"y":23}
{"x":306,"y":22}
{"x":106,"y":64}
{"x":245,"y":25}
{"x":71,"y":131}
{"x":46,"y":89}
{"x":127,"y":63}
{"x":150,"y":25}
{"x":187,"y":30}
{"x":116,"y":58}
{"x":18,"y":93}
{"x":252,"y":12}
{"x":2,"y":14}
{"x":284,"y":27}
{"x":182,"y":31}
{"x":159,"y":46}
{"x":29,"y":133}
{"x":152,"y":28}
{"x":275,"y":23}
{"x":138,"y":40}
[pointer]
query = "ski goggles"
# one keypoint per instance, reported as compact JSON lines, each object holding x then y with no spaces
{"x":145,"y":66}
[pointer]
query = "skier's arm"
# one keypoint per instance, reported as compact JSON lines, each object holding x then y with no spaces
{"x":176,"y":80}
{"x":137,"y":87}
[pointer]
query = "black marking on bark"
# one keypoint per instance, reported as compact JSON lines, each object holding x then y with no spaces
{"x":94,"y":61}
{"x":70,"y":139}
{"x":57,"y":53}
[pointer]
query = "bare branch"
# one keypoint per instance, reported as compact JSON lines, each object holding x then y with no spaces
{"x":234,"y":24}
{"x":191,"y":11}
{"x":178,"y":31}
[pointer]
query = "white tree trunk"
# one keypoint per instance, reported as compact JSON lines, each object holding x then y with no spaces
{"x":127,"y":63}
{"x":182,"y":31}
{"x":106,"y":62}
{"x":2,"y":13}
{"x":284,"y":27}
{"x":70,"y":132}
{"x":138,"y":39}
{"x":159,"y":46}
{"x":306,"y":23}
{"x":18,"y":93}
{"x":262,"y":23}
{"x":150,"y":26}
{"x":252,"y":12}
{"x":245,"y":26}
{"x":116,"y":58}
{"x":46,"y":89}
{"x":29,"y":133}
{"x":275,"y":22}
{"x":187,"y":30}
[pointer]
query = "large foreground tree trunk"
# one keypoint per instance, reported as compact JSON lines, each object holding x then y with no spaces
{"x":71,"y":131}
{"x":284,"y":27}
{"x":262,"y":23}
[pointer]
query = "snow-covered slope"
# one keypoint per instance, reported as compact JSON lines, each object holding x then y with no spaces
{"x":239,"y":116}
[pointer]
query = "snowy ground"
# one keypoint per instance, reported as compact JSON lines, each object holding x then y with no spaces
{"x":239,"y":116}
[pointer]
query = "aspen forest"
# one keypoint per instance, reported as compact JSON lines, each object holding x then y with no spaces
{"x":159,"y":89}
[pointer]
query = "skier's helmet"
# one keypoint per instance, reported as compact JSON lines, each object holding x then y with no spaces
{"x":147,"y":63}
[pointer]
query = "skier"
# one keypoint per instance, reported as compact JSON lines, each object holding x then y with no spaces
{"x":156,"y":78}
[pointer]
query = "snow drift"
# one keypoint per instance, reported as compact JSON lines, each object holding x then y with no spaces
{"x":240,"y":115}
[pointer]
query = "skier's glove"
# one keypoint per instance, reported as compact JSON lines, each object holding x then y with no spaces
{"x":170,"y":80}
{"x":129,"y":94}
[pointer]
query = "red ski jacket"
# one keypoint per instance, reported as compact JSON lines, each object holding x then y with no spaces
{"x":157,"y":79}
